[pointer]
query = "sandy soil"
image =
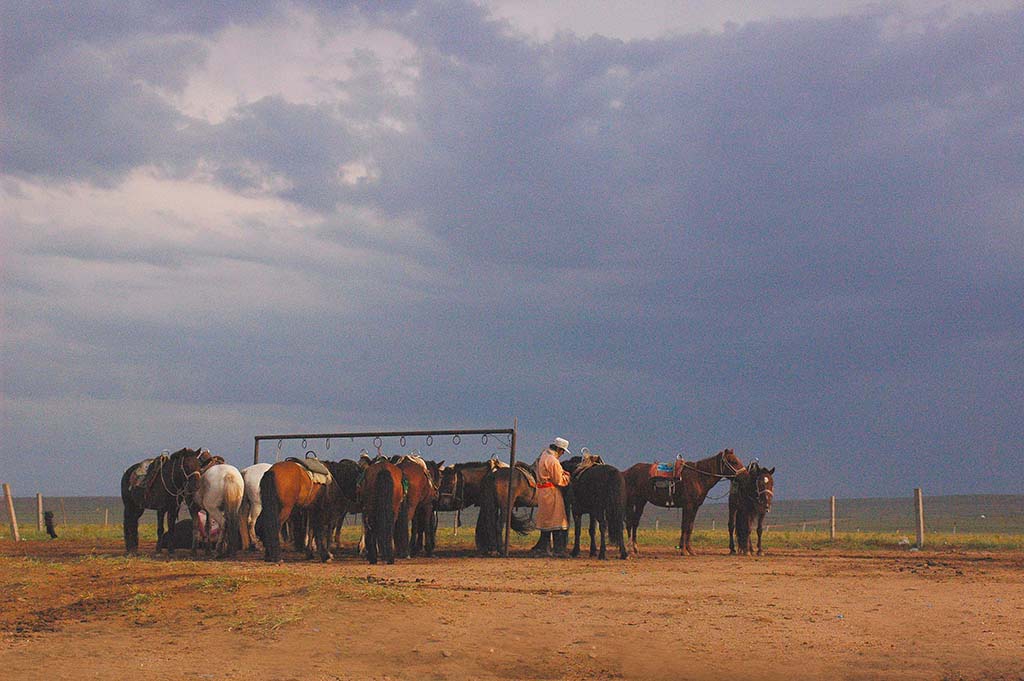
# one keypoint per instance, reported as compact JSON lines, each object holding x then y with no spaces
{"x":74,"y":610}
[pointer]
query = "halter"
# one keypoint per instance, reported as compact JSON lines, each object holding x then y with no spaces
{"x":729,"y":476}
{"x":764,"y":495}
{"x":178,"y":494}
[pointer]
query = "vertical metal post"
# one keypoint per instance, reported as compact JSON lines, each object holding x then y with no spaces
{"x":919,"y":508}
{"x":39,"y":511}
{"x":63,"y":513}
{"x":511,"y":471}
{"x":832,"y":518}
{"x":256,"y":450}
{"x":10,"y":513}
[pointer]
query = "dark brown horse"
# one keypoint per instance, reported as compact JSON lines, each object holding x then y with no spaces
{"x":287,"y":487}
{"x":380,"y":496}
{"x":598,"y":489}
{"x":460,"y":484}
{"x":686,"y":492}
{"x":162,"y":484}
{"x":494,"y":491}
{"x":419,"y":482}
{"x":750,"y":499}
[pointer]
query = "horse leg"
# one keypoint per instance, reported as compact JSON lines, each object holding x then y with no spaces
{"x":431,"y":531}
{"x":635,"y":513}
{"x":132,"y":514}
{"x":760,"y":529}
{"x":577,"y":520}
{"x":689,"y":515}
{"x":369,"y":539}
{"x":592,"y":529}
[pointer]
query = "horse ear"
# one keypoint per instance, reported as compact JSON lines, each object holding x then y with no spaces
{"x":440,"y":464}
{"x":771,"y":471}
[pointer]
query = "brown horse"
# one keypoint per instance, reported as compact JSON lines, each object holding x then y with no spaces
{"x":419,"y":481}
{"x":494,"y":492}
{"x":380,"y":495}
{"x":460,"y":484}
{"x":162,"y":484}
{"x":687,"y":491}
{"x":750,"y":498}
{"x":287,"y":487}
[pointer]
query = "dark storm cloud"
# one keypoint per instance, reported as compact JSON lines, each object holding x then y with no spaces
{"x":795,"y":238}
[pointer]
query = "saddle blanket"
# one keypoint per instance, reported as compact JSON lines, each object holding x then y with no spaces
{"x":528,"y":473}
{"x":144,"y":474}
{"x":670,"y":469}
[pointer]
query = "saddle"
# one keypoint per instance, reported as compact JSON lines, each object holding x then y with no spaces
{"x":316,"y":471}
{"x":145,"y":473}
{"x":528,"y":473}
{"x":588,"y":462}
{"x":418,"y":460}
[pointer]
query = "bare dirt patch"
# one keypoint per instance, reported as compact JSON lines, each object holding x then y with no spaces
{"x":78,"y":610}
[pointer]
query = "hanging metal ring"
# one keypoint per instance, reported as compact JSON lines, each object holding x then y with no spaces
{"x":401,"y":441}
{"x":303,"y":443}
{"x":430,"y":440}
{"x":456,"y":440}
{"x":483,"y":439}
{"x":377,"y":442}
{"x":327,"y":444}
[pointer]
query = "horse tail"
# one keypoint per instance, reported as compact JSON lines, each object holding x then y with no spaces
{"x":384,"y":515}
{"x":487,"y":521}
{"x":268,"y":520}
{"x":615,"y":511}
{"x":234,"y":494}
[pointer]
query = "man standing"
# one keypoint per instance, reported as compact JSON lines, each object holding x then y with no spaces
{"x":551,"y":519}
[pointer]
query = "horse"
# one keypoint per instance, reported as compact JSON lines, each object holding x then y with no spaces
{"x":494,"y":490}
{"x":251,"y":504}
{"x":220,"y":493}
{"x":599,"y":489}
{"x":459,"y":485}
{"x":419,"y":482}
{"x":346,"y":477}
{"x":380,"y":499}
{"x":750,"y":497}
{"x":287,"y":486}
{"x":687,"y":491}
{"x":161,"y":484}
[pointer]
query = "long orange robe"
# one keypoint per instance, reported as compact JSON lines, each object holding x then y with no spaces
{"x":550,"y":505}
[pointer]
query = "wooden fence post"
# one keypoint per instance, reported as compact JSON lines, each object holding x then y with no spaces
{"x":832,"y":518}
{"x":63,"y":513}
{"x":10,"y":513}
{"x":39,"y":511}
{"x":919,"y":508}
{"x":106,"y":518}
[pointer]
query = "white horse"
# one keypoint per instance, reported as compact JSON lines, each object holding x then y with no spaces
{"x":220,"y":493}
{"x":251,"y":504}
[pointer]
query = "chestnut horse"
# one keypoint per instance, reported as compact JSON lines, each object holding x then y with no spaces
{"x":750,"y":497}
{"x":686,"y":492}
{"x":161,"y":484}
{"x":287,"y":486}
{"x":380,"y":500}
{"x":420,"y":488}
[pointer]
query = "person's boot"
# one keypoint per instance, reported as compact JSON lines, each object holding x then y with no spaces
{"x":543,"y":545}
{"x":561,"y":541}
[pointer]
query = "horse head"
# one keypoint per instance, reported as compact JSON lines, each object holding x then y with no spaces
{"x":764,"y":484}
{"x":729,"y":464}
{"x":186,"y":468}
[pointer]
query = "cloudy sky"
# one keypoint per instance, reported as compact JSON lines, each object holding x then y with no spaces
{"x":794,"y":230}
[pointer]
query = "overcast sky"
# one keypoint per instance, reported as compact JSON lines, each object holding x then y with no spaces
{"x":794,"y":230}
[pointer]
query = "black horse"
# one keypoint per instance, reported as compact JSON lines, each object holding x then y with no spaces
{"x":750,"y":499}
{"x":598,"y":489}
{"x":162,"y":484}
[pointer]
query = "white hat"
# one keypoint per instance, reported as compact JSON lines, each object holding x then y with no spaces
{"x":561,"y":443}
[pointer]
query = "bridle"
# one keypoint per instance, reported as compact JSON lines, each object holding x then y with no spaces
{"x":764,"y":495}
{"x":723,"y":462}
{"x":178,"y":494}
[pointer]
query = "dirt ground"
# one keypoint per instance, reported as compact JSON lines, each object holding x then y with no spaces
{"x":78,"y":610}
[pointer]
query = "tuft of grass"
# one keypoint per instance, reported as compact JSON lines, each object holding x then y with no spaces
{"x":220,"y":584}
